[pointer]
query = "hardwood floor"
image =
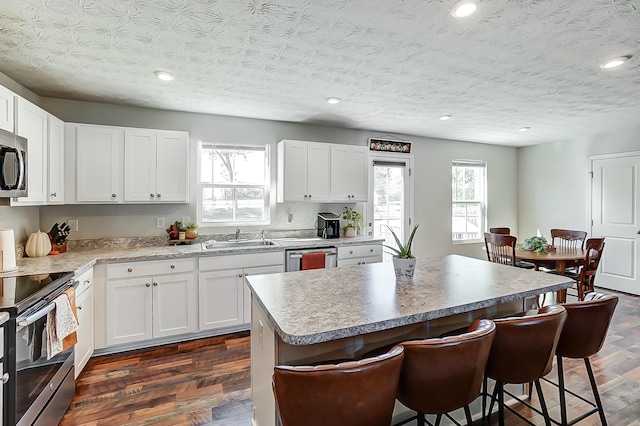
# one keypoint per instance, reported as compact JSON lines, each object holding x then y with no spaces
{"x":207,"y":382}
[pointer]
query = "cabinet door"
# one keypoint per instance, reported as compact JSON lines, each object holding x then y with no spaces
{"x":139,"y":165}
{"x":85,"y":345}
{"x":349,"y":179}
{"x":99,"y":160}
{"x":55,"y":192}
{"x":220,"y":299}
{"x":32,"y":123}
{"x":174,"y":305}
{"x":6,"y":109}
{"x":129,"y":310}
{"x":294,"y":171}
{"x":358,"y":173}
{"x":318,"y":172}
{"x":172,"y":158}
{"x":260,"y":270}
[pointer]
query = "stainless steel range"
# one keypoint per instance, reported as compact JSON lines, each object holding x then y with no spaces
{"x":38,"y":390}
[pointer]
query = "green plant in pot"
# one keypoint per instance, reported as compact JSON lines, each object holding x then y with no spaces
{"x":404,"y":262}
{"x":354,"y":222}
{"x":537,"y":244}
{"x":190,"y":230}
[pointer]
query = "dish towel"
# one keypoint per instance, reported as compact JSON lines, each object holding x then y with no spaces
{"x":61,"y":323}
{"x":313,"y":261}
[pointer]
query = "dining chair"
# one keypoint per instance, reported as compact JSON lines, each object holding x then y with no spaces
{"x":586,"y":275}
{"x":567,"y":238}
{"x":503,"y":230}
{"x":501,"y":248}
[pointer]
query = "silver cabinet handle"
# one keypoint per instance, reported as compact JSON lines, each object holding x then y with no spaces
{"x":129,"y":269}
{"x":239,"y":275}
{"x":5,"y":377}
{"x":350,"y":251}
{"x":152,"y":195}
{"x":147,"y":285}
{"x":87,"y":281}
{"x":370,"y":250}
{"x":113,"y":195}
{"x":79,"y":308}
{"x":158,"y":195}
{"x":173,"y":266}
{"x":155,"y":284}
{"x":54,"y":195}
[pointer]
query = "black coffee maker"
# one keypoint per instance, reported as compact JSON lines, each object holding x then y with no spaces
{"x":328,"y":225}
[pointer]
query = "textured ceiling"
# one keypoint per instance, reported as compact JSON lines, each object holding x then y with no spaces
{"x":397,"y":64}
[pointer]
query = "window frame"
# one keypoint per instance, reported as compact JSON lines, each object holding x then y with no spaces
{"x":481,"y":203}
{"x":266,"y":186}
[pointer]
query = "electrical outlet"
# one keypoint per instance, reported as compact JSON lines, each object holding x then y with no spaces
{"x":185,"y":219}
{"x":73,"y":224}
{"x":160,"y":224}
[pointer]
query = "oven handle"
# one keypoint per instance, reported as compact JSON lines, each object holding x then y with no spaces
{"x":25,"y":321}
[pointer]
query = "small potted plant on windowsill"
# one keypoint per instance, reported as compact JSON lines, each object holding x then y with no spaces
{"x":354,"y":222}
{"x":404,"y":262}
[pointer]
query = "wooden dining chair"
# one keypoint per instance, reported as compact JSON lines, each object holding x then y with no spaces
{"x":503,"y":230}
{"x":501,"y":248}
{"x":567,"y":238}
{"x":586,"y":275}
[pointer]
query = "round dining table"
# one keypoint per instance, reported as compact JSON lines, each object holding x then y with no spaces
{"x":557,"y":258}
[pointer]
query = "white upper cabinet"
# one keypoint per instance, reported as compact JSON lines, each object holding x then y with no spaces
{"x":303,"y":171}
{"x":321,"y":172}
{"x":6,"y":109}
{"x":349,"y":179}
{"x":56,"y":166}
{"x":32,"y":123}
{"x":155,"y":166}
{"x":99,"y":160}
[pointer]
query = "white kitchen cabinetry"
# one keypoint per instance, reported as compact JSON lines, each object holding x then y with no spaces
{"x":304,"y":171}
{"x":155,"y":166}
{"x":84,"y":307}
{"x":359,"y":254}
{"x":56,"y":160}
{"x":7,"y":119}
{"x":99,"y":161}
{"x":222,"y":288}
{"x":32,"y":123}
{"x":152,"y":299}
{"x":349,"y":177}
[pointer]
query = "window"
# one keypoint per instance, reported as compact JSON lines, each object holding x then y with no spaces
{"x":233,"y":184}
{"x":468,"y":200}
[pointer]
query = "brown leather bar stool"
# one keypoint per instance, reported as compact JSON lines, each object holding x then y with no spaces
{"x":522,"y":352}
{"x":443,"y":374}
{"x":583,"y":335}
{"x":354,"y":393}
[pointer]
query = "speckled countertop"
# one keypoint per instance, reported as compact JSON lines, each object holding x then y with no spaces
{"x":79,"y":260}
{"x":326,"y":304}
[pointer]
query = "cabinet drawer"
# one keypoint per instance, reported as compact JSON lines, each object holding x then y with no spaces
{"x":155,"y":267}
{"x":216,"y":263}
{"x":85,"y":281}
{"x":350,"y":252}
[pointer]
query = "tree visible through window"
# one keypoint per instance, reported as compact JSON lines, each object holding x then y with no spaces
{"x":233,"y":183}
{"x":468,"y":194}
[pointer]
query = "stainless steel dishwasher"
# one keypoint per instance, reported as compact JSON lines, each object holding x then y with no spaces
{"x":294,"y":257}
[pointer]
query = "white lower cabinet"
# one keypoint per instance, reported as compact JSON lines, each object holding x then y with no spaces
{"x":224,"y":299}
{"x":359,"y":254}
{"x":84,"y":308}
{"x":148,"y":300}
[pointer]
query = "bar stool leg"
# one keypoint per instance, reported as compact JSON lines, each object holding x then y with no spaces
{"x":467,"y":414}
{"x":500,"y":386}
{"x":543,"y":404}
{"x":563,"y":398}
{"x":420,"y":419}
{"x":438,"y":419}
{"x":596,"y":395}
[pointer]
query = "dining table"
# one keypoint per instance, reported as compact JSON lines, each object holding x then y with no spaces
{"x":557,"y":258}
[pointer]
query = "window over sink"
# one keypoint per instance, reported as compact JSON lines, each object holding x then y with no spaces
{"x":233,"y":184}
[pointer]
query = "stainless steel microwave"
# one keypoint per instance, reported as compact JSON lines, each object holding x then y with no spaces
{"x":13,"y":165}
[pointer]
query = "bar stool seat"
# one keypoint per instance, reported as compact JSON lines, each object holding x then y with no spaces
{"x":354,"y":393}
{"x":522,"y":352}
{"x":443,"y":374}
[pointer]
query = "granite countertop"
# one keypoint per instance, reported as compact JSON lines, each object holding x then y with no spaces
{"x":82,"y":259}
{"x":326,"y":304}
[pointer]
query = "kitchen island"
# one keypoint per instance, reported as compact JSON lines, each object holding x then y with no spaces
{"x":339,"y":314}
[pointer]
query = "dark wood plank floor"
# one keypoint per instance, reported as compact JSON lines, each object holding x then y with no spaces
{"x":207,"y":382}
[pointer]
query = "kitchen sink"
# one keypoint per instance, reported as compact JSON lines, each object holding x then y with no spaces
{"x":212,"y":244}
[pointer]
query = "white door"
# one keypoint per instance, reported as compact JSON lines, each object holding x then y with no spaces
{"x":55,"y":194}
{"x":139,"y":165}
{"x":175,"y":305}
{"x":220,"y":298}
{"x":99,"y":162}
{"x":6,"y":111}
{"x":318,"y":171}
{"x":391,"y":196}
{"x":616,"y":217}
{"x":129,"y":310}
{"x":172,"y":157}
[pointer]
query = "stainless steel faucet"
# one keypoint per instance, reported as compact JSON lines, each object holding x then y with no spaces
{"x":262,"y":234}
{"x":237,"y":233}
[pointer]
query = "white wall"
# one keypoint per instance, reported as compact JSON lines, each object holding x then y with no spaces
{"x":432,"y":174}
{"x":554,"y":180}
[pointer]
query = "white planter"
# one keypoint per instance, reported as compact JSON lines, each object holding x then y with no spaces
{"x":350,"y":232}
{"x":404,"y":268}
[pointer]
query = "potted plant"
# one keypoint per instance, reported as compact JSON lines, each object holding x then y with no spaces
{"x":537,"y":244}
{"x":404,"y":262}
{"x":190,"y":230}
{"x":354,"y":222}
{"x":176,"y":231}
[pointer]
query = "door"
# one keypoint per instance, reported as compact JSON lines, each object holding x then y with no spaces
{"x":6,"y":110}
{"x":221,"y":298}
{"x":616,"y":217}
{"x":129,"y":310}
{"x":99,"y":159}
{"x":318,"y":169}
{"x":391,"y":198}
{"x":349,"y":174}
{"x":172,"y":173}
{"x":174,"y":305}
{"x":55,"y":194}
{"x":139,"y":165}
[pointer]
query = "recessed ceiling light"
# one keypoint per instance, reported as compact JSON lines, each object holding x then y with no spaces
{"x":464,"y":8}
{"x":445,"y":117}
{"x":615,"y":62}
{"x":333,"y":100}
{"x":164,"y":75}
{"x":524,"y":129}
